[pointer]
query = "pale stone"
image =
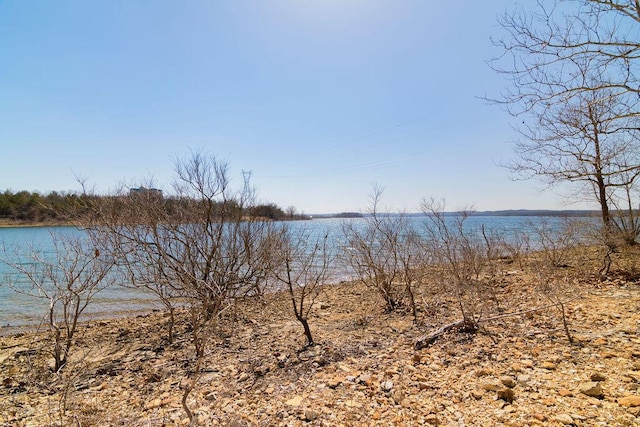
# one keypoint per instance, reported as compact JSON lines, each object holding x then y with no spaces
{"x":565,"y":419}
{"x":592,"y":389}
{"x":630,"y":401}
{"x":295,"y":401}
{"x":508,"y":381}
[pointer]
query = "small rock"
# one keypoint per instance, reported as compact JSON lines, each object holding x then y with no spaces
{"x":310,"y":415}
{"x":626,"y":420}
{"x":565,"y":392}
{"x":592,"y":389}
{"x":540,"y":417}
{"x":295,"y":401}
{"x":477,"y":394}
{"x":508,"y":381}
{"x":365,"y":379}
{"x":261,"y":371}
{"x":432,"y":419}
{"x":482,"y":373}
{"x":523,"y":380}
{"x":492,"y":386}
{"x":527,"y":363}
{"x":630,"y":401}
{"x":386,"y":385}
{"x":507,"y":395}
{"x":550,"y":366}
{"x":597,"y":377}
{"x":334,"y":382}
{"x":155,"y":403}
{"x":565,"y":419}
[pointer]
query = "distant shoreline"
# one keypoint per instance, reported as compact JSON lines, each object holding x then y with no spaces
{"x":8,"y":223}
{"x":505,"y":212}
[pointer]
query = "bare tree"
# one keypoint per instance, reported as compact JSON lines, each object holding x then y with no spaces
{"x":574,"y":79}
{"x":384,"y":254}
{"x":68,"y":280}
{"x":197,"y":245}
{"x":291,"y":212}
{"x":303,"y":265}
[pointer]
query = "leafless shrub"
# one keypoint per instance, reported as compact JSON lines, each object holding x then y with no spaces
{"x":303,"y":265}
{"x":462,"y":259}
{"x":556,"y":246}
{"x":556,"y":241}
{"x":68,"y":281}
{"x":384,"y":254}
{"x":515,"y":247}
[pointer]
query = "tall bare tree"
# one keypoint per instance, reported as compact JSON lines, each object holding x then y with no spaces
{"x":197,"y":244}
{"x":574,"y":80}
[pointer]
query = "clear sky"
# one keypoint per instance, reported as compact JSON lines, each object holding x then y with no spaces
{"x":320,"y":100}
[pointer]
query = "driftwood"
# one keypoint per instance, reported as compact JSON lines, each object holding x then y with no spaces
{"x":472,"y":326}
{"x":464,"y":325}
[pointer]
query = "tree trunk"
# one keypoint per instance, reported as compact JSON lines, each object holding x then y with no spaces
{"x":307,"y":330}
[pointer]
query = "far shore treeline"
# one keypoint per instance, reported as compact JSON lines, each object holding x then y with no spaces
{"x":54,"y":207}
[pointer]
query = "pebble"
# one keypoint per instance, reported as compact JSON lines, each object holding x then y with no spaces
{"x":592,"y":389}
{"x":630,"y":401}
{"x":310,"y":415}
{"x":476,"y":394}
{"x":523,"y":380}
{"x":507,"y":395}
{"x":565,"y":419}
{"x":550,"y":366}
{"x":432,"y":419}
{"x":527,"y":363}
{"x":508,"y":381}
{"x":295,"y":401}
{"x":386,"y":385}
{"x":565,"y":392}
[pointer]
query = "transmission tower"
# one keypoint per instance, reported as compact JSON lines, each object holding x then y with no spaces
{"x":246,"y":175}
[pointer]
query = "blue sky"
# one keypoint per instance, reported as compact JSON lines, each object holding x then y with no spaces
{"x":320,"y":100}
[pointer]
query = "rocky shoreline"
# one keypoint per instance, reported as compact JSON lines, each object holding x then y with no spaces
{"x":515,"y":371}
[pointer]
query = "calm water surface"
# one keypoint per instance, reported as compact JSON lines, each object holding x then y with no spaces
{"x":17,"y":309}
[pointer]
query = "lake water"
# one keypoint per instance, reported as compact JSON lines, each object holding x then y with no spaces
{"x":17,"y":309}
